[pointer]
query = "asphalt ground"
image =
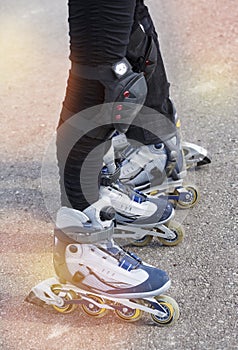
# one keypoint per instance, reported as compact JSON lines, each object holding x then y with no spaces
{"x":199,"y":46}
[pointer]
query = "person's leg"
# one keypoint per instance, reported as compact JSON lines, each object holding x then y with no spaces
{"x":155,"y":126}
{"x":99,"y":35}
{"x":80,"y":95}
{"x":158,"y":88}
{"x":158,"y":97}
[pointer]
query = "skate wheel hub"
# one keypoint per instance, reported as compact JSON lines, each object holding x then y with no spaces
{"x":61,"y":299}
{"x":94,"y":309}
{"x":188,"y":197}
{"x":127,"y":314}
{"x":168,"y":310}
{"x":91,"y":306}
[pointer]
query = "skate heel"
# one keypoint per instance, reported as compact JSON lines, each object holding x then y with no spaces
{"x":32,"y":299}
{"x":195,"y":156}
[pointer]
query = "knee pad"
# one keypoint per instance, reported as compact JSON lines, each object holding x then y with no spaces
{"x":127,"y":94}
{"x":125,"y":91}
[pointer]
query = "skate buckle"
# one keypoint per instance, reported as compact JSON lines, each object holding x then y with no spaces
{"x":134,"y":256}
{"x":125,"y":265}
{"x":129,"y":261}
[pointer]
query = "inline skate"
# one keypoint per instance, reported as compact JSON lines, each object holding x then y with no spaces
{"x":93,"y":272}
{"x":156,"y":171}
{"x":138,"y":217}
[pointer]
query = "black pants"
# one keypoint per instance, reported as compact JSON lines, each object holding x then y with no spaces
{"x":79,"y":188}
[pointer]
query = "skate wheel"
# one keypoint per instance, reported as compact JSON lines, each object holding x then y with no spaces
{"x":171,"y":308}
{"x":68,"y":295}
{"x":92,"y":309}
{"x":128,"y":314}
{"x":193,"y":191}
{"x":143,"y":241}
{"x":178,"y":235}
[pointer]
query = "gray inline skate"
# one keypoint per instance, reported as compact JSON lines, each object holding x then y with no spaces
{"x":152,"y":170}
{"x":96,"y":274}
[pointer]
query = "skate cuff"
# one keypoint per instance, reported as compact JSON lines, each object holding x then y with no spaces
{"x":87,"y":237}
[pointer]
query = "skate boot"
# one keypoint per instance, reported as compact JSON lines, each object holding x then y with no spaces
{"x":139,"y":218}
{"x":156,"y":170}
{"x":195,"y":156}
{"x":96,"y":274}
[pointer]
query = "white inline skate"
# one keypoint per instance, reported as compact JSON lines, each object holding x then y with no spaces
{"x":97,"y":275}
{"x":145,"y":168}
{"x":139,"y":218}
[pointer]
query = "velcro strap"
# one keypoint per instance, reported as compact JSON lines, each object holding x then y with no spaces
{"x":101,"y":72}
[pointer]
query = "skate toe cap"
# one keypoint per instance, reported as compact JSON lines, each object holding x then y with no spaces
{"x":157,"y":278}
